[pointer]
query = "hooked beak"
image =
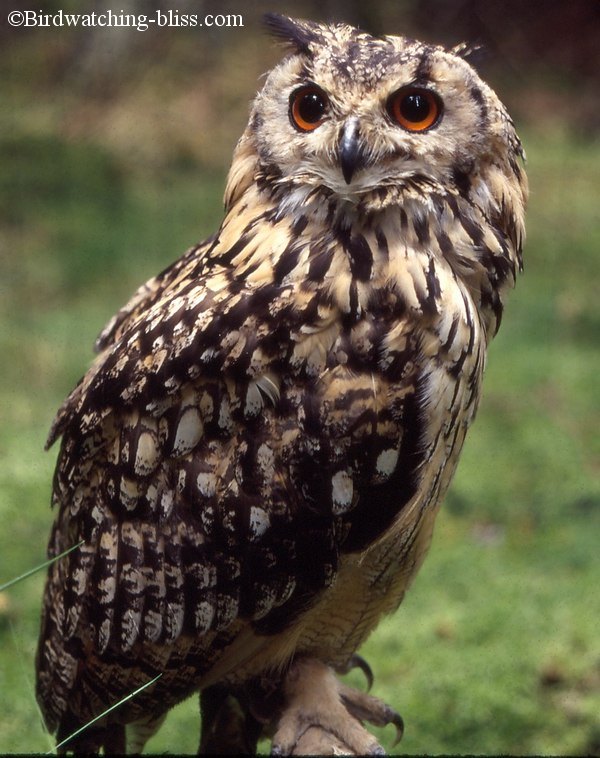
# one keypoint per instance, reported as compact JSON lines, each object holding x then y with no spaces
{"x":350,"y":149}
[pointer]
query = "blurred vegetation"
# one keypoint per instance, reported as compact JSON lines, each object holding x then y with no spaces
{"x":113,"y":150}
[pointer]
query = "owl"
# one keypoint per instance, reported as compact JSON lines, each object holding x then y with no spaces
{"x":250,"y":471}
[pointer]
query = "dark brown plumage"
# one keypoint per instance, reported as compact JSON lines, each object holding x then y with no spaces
{"x":255,"y":459}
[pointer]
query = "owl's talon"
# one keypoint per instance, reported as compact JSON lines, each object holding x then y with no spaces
{"x":390,"y":716}
{"x":358,"y":662}
{"x":365,"y":707}
{"x":398,"y":722}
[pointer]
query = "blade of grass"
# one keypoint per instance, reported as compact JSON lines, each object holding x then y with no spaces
{"x":105,"y":713}
{"x":42,"y":566}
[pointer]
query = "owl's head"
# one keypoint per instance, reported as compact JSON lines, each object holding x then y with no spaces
{"x":358,"y":115}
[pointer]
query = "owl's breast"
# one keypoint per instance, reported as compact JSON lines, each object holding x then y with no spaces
{"x":395,"y":448}
{"x":389,"y":377}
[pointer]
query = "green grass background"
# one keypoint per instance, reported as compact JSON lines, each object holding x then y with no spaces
{"x":495,"y":650}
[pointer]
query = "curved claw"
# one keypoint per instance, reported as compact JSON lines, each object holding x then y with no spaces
{"x":372,"y":710}
{"x":358,"y":662}
{"x":397,"y":720}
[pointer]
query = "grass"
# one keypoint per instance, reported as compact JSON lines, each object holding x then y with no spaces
{"x":495,"y":649}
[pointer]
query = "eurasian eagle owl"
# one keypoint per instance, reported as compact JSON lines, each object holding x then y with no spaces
{"x":252,"y":466}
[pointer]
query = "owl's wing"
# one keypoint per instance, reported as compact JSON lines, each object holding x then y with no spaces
{"x":181,"y":459}
{"x":213,"y":464}
{"x":178,"y":472}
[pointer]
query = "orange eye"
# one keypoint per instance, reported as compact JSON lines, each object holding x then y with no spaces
{"x":414,"y":109}
{"x":308,"y":106}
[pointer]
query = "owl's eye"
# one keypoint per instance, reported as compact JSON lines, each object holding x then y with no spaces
{"x":308,"y":106}
{"x":414,"y":108}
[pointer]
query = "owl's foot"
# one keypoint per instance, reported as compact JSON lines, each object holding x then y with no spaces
{"x":322,"y":716}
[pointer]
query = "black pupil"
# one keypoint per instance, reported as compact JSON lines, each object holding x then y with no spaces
{"x":311,"y":107}
{"x":415,"y":107}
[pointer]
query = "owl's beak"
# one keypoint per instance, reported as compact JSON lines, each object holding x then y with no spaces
{"x":350,"y":149}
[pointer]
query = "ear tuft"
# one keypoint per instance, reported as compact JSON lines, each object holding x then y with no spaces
{"x":300,"y":34}
{"x":472,"y":52}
